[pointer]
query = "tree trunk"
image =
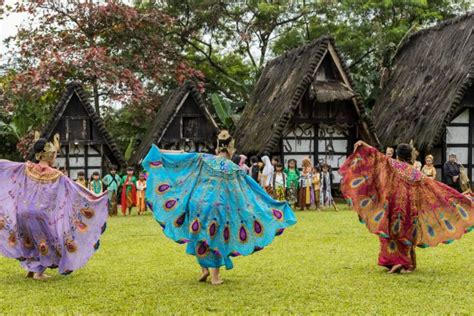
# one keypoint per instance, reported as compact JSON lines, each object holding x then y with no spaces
{"x":96,"y":97}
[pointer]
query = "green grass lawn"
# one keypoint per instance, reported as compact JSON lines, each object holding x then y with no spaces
{"x":324,"y":264}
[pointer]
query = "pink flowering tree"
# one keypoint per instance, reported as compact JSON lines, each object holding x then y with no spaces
{"x":123,"y":54}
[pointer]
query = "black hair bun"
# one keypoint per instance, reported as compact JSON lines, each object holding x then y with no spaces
{"x":39,"y":145}
{"x":404,"y":152}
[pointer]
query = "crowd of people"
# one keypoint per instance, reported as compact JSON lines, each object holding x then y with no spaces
{"x":303,"y":189}
{"x":454,"y":174}
{"x":126,"y":191}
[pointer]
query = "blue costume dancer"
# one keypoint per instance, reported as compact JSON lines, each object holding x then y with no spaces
{"x":209,"y":203}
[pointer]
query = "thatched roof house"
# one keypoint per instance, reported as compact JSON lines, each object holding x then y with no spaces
{"x":182,"y":122}
{"x":432,"y":74}
{"x":304,"y":96}
{"x":86,"y":143}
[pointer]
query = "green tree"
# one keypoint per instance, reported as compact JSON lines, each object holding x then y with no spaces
{"x":230,"y":41}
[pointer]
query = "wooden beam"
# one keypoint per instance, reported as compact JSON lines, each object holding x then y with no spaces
{"x":316,"y":144}
{"x":470,"y":139}
{"x":86,"y":160}
{"x":443,"y":154}
{"x":67,"y":158}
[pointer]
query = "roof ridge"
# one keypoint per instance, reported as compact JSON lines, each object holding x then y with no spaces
{"x":316,"y":41}
{"x":437,"y":27}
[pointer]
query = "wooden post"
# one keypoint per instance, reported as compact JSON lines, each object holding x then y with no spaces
{"x":444,"y":152}
{"x":316,"y":143}
{"x":86,"y":160}
{"x":102,"y":161}
{"x":282,"y":156}
{"x":470,"y":140}
{"x":67,"y":160}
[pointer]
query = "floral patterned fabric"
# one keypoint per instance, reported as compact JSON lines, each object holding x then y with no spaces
{"x":209,"y":203}
{"x":47,"y":220}
{"x":402,"y":206}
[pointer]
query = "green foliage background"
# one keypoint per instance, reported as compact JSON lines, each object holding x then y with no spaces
{"x":230,"y":41}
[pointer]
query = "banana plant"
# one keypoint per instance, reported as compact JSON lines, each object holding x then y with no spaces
{"x":129,"y":150}
{"x":223,"y":110}
{"x":9,"y":129}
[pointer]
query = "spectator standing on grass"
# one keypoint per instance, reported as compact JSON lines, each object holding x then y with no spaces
{"x":452,"y":171}
{"x":129,"y":191}
{"x":112,"y":182}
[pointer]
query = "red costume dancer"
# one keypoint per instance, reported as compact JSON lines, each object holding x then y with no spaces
{"x":129,"y":191}
{"x":402,"y":206}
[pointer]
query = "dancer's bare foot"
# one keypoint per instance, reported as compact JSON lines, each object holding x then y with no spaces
{"x":205,"y":275}
{"x":406,"y":271}
{"x":40,"y":276}
{"x":217,"y":282}
{"x":215,"y":278}
{"x":396,"y":268}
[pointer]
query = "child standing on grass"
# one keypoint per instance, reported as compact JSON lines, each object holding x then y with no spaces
{"x":292,"y":182}
{"x":326,"y":198}
{"x":95,"y":185}
{"x":81,"y":179}
{"x":141,"y":187}
{"x":306,"y":185}
{"x":317,"y":187}
{"x":112,"y":182}
{"x":428,"y":169}
{"x":278,"y":183}
{"x":129,"y":191}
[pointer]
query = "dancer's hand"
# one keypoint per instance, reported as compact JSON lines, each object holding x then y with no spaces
{"x":360,"y":143}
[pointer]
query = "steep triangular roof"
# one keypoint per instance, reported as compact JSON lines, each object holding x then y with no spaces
{"x":165,"y":115}
{"x":280,"y":89}
{"x":431,"y":73}
{"x":77,"y":89}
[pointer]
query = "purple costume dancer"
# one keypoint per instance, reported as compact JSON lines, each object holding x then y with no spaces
{"x":47,"y":220}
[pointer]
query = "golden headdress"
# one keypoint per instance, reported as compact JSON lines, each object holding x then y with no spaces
{"x":225,"y":140}
{"x":306,"y":162}
{"x":50,"y":149}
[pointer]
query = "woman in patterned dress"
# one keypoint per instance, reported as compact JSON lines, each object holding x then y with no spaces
{"x":46,"y":219}
{"x":402,"y":206}
{"x":212,"y":205}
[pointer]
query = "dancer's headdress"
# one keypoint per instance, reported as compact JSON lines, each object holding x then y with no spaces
{"x":50,"y":149}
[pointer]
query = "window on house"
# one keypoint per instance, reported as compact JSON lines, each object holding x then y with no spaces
{"x":190,"y":127}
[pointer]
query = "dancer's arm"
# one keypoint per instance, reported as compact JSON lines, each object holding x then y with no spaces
{"x":172,"y":151}
{"x":360,"y":143}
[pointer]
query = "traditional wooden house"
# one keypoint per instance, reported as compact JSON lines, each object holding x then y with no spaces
{"x":428,"y":96}
{"x":304,"y":105}
{"x":182,"y":122}
{"x":85,"y":142}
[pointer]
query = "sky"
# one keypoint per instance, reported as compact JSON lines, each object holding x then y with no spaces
{"x":8,"y":27}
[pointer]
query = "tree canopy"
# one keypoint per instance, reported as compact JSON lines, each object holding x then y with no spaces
{"x":129,"y":54}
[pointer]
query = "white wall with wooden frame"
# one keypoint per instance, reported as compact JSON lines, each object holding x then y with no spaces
{"x":458,"y":139}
